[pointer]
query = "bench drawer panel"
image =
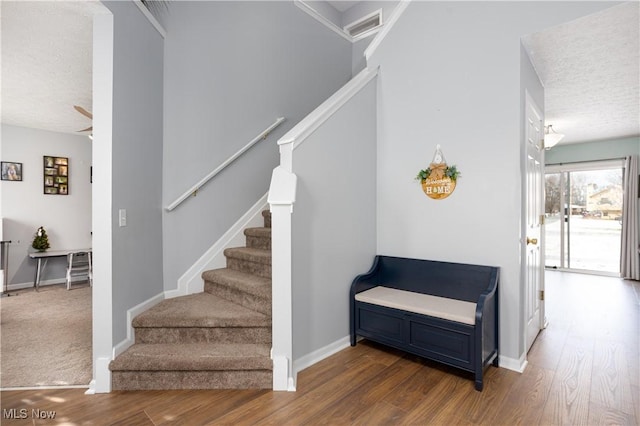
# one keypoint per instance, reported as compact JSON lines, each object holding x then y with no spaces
{"x":380,"y":322}
{"x":443,"y":343}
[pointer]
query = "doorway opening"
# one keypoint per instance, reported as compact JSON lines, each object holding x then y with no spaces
{"x":583,"y":217}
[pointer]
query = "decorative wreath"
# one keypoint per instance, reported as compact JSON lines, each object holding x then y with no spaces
{"x":450,"y":171}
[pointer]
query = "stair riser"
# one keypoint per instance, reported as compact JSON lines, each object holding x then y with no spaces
{"x":260,"y":269}
{"x":161,"y":380}
{"x":202,"y":335}
{"x":249,"y":301}
{"x":259,"y":242}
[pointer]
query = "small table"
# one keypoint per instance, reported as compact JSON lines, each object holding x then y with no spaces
{"x":40,"y":255}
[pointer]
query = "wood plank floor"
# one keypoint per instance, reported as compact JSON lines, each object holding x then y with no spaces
{"x":583,"y":370}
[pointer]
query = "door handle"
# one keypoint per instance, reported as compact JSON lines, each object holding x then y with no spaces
{"x":532,"y":240}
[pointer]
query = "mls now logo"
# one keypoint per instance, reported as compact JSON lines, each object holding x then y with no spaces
{"x":14,"y":413}
{"x":23,"y":413}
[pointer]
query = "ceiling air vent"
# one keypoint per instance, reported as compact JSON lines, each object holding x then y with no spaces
{"x":365,"y":26}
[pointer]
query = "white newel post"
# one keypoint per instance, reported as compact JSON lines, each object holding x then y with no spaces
{"x":281,"y":200}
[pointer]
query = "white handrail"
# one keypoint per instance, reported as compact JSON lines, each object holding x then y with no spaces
{"x":194,"y":189}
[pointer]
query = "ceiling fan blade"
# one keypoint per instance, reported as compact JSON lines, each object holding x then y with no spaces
{"x":83,"y":111}
{"x":85,"y":130}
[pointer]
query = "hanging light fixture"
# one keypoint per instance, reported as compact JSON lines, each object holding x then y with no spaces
{"x":551,"y":137}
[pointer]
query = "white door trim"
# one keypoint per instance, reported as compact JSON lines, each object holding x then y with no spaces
{"x":102,"y":201}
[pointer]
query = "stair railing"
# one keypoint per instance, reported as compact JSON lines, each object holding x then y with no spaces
{"x":193,"y":191}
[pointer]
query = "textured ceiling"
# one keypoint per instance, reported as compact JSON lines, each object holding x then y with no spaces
{"x":590,"y":68}
{"x":47,"y":63}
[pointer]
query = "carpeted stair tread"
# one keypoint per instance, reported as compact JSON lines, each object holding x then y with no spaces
{"x":193,"y":357}
{"x":249,"y":254}
{"x":200,"y":310}
{"x":251,"y":260}
{"x":243,"y":281}
{"x":249,"y":290}
{"x":258,"y":232}
{"x":259,"y":238}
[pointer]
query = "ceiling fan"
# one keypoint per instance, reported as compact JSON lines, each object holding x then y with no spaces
{"x":86,"y":114}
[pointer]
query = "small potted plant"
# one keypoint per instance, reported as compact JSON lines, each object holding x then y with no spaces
{"x":40,"y":240}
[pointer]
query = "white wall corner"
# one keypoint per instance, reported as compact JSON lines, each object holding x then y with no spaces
{"x":391,"y":21}
{"x":102,"y":297}
{"x":191,"y":281}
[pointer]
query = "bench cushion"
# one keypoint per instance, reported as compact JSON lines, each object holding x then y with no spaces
{"x":425,"y":304}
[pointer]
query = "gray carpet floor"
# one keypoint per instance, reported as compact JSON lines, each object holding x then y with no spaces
{"x":45,"y":337}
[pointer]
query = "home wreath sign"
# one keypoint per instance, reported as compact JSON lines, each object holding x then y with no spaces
{"x":438,"y":180}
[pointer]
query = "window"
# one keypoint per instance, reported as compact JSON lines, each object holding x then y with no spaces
{"x":583,"y":211}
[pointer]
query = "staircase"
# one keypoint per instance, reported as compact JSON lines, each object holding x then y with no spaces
{"x":218,"y":339}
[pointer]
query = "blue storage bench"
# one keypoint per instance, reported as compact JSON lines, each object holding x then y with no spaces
{"x":443,"y":311}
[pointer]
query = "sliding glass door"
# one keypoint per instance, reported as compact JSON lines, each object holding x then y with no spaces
{"x":583,"y":216}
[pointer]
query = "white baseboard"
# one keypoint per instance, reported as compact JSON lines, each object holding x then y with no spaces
{"x":318,"y":355}
{"x":54,"y":281}
{"x":513,"y":364}
{"x":131,"y":314}
{"x":191,"y":281}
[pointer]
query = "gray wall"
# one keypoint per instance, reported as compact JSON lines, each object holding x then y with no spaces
{"x":592,"y":151}
{"x":137,"y":161}
{"x":450,"y":75}
{"x":334,"y":221}
{"x":231,"y":68}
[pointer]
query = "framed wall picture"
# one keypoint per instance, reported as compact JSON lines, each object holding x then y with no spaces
{"x":56,"y":175}
{"x":11,"y":171}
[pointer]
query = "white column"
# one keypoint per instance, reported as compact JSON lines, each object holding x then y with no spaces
{"x":281,"y":199}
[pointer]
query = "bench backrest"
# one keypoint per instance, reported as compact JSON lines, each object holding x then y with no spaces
{"x":453,"y":280}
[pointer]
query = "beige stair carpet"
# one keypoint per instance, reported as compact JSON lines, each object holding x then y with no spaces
{"x":218,"y":339}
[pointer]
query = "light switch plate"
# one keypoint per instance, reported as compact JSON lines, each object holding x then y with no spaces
{"x":122,"y":217}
